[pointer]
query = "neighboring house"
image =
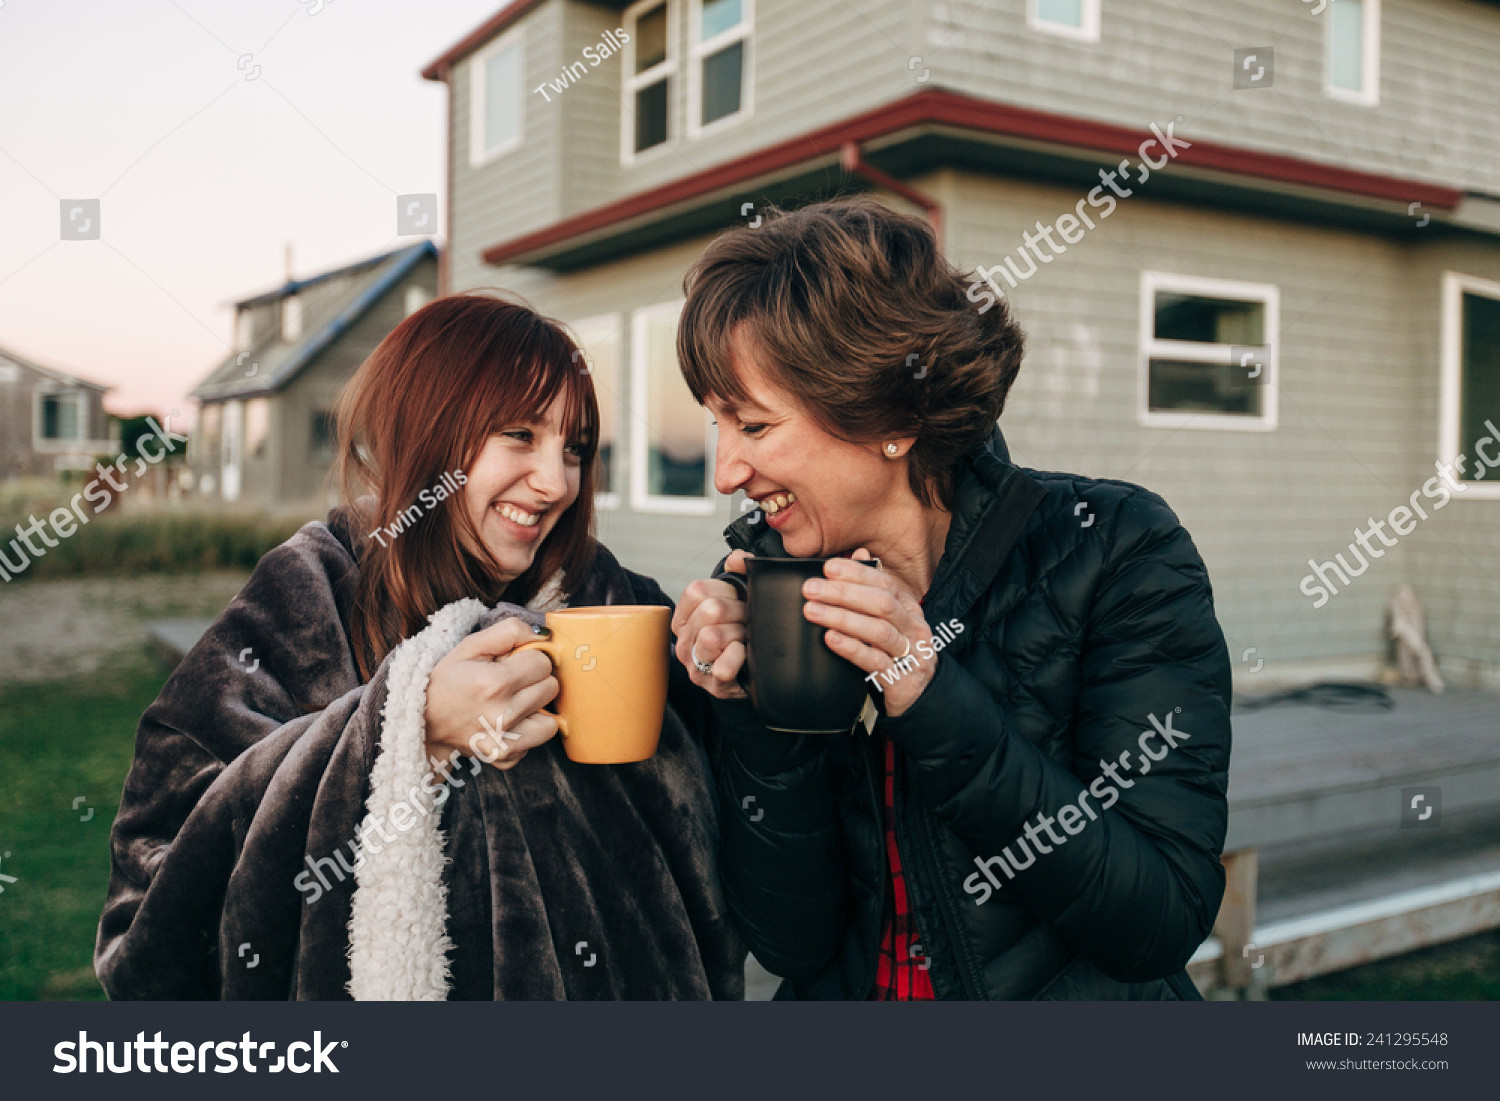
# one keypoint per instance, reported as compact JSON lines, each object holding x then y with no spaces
{"x":51,"y":421}
{"x":265,"y":431}
{"x":1281,"y":328}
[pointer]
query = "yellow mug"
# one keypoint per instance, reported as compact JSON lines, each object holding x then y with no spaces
{"x":611,"y":668}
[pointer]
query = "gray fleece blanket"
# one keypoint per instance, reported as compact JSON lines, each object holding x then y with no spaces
{"x":246,"y":862}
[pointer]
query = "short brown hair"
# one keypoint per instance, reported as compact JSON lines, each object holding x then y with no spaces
{"x":847,"y":301}
{"x":423,"y":404}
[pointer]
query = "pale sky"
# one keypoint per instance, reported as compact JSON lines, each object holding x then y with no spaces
{"x":203,"y":176}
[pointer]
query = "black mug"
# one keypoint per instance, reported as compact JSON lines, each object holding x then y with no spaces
{"x":796,"y":683}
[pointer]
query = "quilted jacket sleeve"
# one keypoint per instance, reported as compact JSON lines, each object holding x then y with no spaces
{"x":1130,"y":876}
{"x":781,"y":857}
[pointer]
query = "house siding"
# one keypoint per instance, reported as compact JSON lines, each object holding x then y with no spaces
{"x":519,"y":190}
{"x":1436,"y":120}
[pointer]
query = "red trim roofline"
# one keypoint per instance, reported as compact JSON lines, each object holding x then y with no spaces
{"x":939,"y":106}
{"x":440,"y":68}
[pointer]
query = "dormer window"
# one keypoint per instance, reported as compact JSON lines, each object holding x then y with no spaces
{"x":244,"y":331}
{"x":291,"y":318}
{"x":496,"y":98}
{"x":1352,"y":51}
{"x":1068,"y":18}
{"x":650,"y":64}
{"x":718,"y":80}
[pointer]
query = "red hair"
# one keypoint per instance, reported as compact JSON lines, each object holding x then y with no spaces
{"x":423,"y":405}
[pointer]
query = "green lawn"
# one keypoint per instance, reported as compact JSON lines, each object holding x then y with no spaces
{"x":60,"y":740}
{"x":1462,"y":970}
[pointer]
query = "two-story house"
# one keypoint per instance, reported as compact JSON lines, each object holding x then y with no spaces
{"x":1255,"y":245}
{"x":265,"y":432}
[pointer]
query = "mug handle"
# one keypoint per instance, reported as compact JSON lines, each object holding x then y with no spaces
{"x":741,"y":585}
{"x":548,"y":646}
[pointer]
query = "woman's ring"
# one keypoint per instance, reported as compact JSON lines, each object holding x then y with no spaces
{"x":903,"y":657}
{"x":704,"y":667}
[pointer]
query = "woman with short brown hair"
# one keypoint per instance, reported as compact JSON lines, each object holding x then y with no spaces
{"x":370,"y":664}
{"x":1038,"y":808}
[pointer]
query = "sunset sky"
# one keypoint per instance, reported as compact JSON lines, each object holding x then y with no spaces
{"x":203,"y":175}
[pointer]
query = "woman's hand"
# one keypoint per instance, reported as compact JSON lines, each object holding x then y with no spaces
{"x":711,"y":618}
{"x":872,"y":620}
{"x":481,"y":678}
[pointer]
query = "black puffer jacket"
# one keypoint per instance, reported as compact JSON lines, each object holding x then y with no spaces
{"x":1089,"y":640}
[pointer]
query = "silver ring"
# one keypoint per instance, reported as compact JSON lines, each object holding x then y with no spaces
{"x":704,"y":667}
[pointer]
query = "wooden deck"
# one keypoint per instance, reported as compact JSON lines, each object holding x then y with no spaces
{"x":1328,"y":864}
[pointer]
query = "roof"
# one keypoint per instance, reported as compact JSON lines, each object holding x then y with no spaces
{"x":274,"y":364}
{"x":916,"y":132}
{"x":438,"y":69}
{"x":53,"y":373}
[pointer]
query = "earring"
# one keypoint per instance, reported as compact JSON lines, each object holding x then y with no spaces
{"x":891,"y":449}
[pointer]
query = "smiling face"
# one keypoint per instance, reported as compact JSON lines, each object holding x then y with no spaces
{"x":520,"y":484}
{"x":823,"y":495}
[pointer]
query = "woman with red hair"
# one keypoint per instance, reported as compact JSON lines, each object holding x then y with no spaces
{"x":246,"y":852}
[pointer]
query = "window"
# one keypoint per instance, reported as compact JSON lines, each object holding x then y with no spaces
{"x":1069,"y":18}
{"x":291,"y":318}
{"x":1352,"y":58}
{"x":324,"y":438}
{"x":718,"y":76}
{"x":650,"y":63}
{"x":1469,"y":402}
{"x":244,"y":330}
{"x":670,"y":448}
{"x":1208,"y":353}
{"x":496,"y":98}
{"x":62,"y":417}
{"x":257,"y":426}
{"x":600,"y":339}
{"x":416,"y":297}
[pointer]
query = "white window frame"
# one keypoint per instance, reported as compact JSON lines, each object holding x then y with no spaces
{"x":632,"y":82}
{"x":640,"y":499}
{"x":1269,"y":294}
{"x":1450,"y":398}
{"x":698,"y":52}
{"x":1087,"y":31}
{"x":80,"y":404}
{"x":1369,"y":95}
{"x":609,"y":326}
{"x":478,"y":154}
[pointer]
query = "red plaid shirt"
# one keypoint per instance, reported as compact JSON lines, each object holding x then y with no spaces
{"x":901,"y":973}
